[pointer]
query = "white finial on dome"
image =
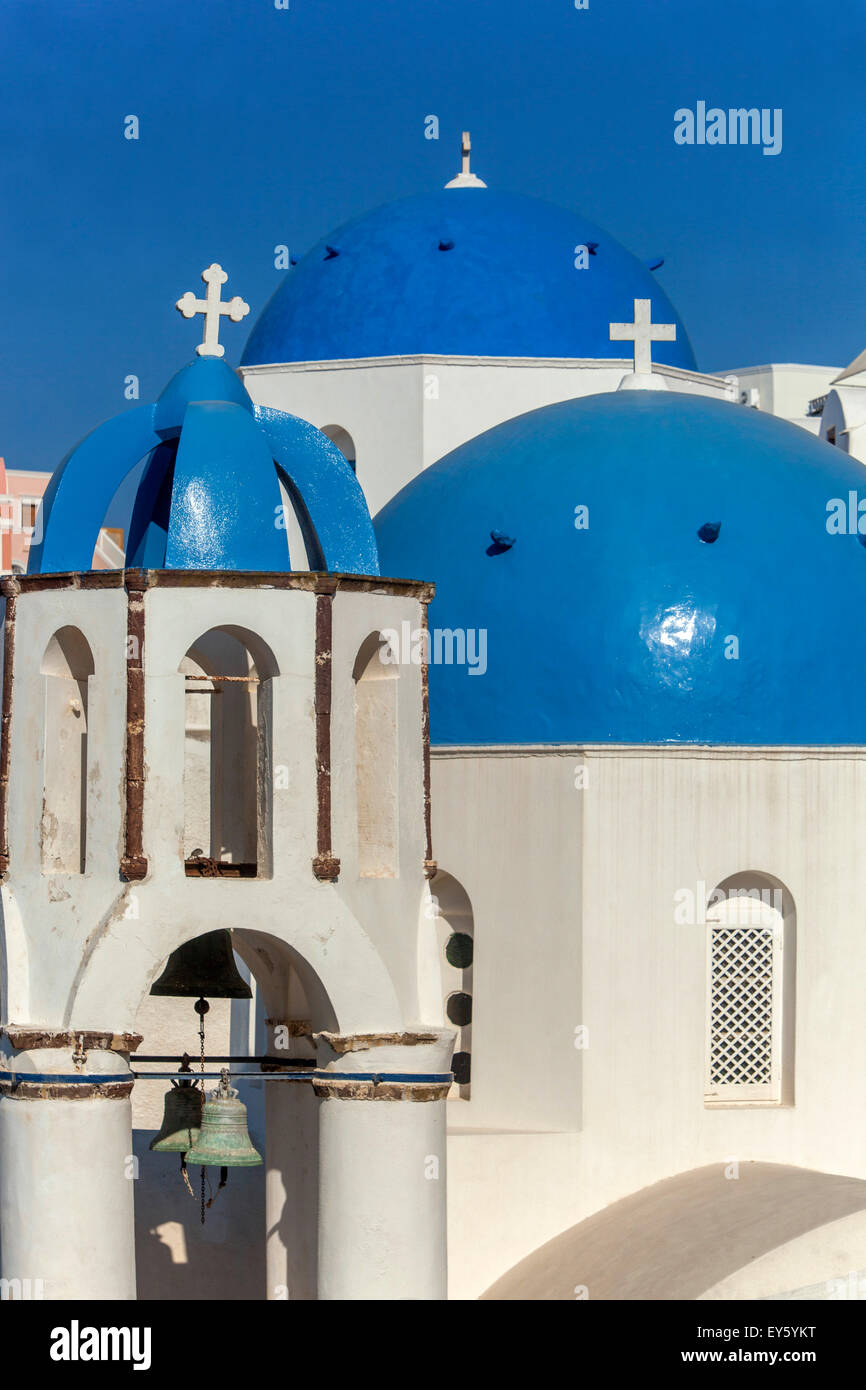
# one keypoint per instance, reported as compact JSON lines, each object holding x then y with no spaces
{"x":212,"y":307}
{"x":643,"y":333}
{"x":466,"y":179}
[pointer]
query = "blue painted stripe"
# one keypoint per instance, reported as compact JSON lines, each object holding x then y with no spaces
{"x":62,"y":1078}
{"x":102,"y":1078}
{"x":422,"y":1077}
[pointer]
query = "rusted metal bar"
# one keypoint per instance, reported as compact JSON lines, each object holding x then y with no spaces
{"x":133,"y":865}
{"x":326,"y":866}
{"x":430,"y":865}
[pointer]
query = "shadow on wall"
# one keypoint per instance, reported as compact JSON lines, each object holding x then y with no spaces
{"x":177,"y":1257}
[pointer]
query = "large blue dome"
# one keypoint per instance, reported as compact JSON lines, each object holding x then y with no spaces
{"x":462,"y":272}
{"x":635,"y":630}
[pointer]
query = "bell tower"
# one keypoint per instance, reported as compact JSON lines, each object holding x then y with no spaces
{"x":293,"y":827}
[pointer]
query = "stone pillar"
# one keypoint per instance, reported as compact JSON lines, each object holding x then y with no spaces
{"x":291,"y":1190}
{"x":382,"y":1208}
{"x":66,"y":1166}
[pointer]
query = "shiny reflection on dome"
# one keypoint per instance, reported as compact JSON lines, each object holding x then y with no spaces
{"x":676,"y":633}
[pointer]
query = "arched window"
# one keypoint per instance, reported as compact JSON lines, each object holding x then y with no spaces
{"x":343,"y":440}
{"x":456,"y":933}
{"x":227,"y":778}
{"x":376,"y":681}
{"x":67,"y":666}
{"x":750,"y":992}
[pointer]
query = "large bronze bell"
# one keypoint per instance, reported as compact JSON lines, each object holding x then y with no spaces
{"x":223,"y":1140}
{"x":203,"y":968}
{"x":181,"y":1119}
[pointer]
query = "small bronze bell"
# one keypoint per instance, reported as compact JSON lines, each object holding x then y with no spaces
{"x":223,"y":1140}
{"x":181,"y":1119}
{"x":204,"y":967}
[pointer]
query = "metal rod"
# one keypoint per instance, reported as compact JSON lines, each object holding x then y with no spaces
{"x":215,"y":1075}
{"x":209,"y":1057}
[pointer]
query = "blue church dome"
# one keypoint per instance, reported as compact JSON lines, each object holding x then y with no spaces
{"x":461,"y":272}
{"x":218,"y":478}
{"x":703,"y":596}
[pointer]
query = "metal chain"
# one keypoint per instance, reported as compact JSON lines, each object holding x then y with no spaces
{"x":201,"y":1037}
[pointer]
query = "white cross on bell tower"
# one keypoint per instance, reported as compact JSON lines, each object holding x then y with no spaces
{"x":213,"y":308}
{"x":643,"y":333}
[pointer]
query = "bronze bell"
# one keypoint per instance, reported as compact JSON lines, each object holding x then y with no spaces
{"x":203,"y":968}
{"x":180,"y":1120}
{"x":223,"y":1140}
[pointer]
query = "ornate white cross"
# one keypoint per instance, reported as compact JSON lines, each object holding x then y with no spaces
{"x":213,"y":308}
{"x":643,"y":332}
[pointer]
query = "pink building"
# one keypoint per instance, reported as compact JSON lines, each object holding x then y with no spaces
{"x":21,"y":491}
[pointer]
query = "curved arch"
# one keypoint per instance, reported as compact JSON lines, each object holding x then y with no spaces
{"x":263,"y":659}
{"x":350,"y":990}
{"x":680,"y":1238}
{"x":455,"y":931}
{"x":756,"y":885}
{"x":82,"y":486}
{"x":332,"y":495}
{"x":344,"y":442}
{"x":68,"y":654}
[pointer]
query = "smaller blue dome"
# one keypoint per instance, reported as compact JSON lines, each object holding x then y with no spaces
{"x":219,"y":476}
{"x":464,"y":272}
{"x":664,"y":572}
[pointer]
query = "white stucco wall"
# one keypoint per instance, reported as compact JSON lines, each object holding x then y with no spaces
{"x":784,"y":388}
{"x":404,"y":413}
{"x":641,"y":990}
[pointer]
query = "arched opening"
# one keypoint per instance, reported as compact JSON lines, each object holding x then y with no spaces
{"x":456,"y":938}
{"x":259,"y":1239}
{"x":228,"y":776}
{"x":67,"y":665}
{"x":376,"y":764}
{"x":344,"y":442}
{"x":751,"y":987}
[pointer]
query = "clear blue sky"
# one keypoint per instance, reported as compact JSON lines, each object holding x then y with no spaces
{"x":261,"y":126}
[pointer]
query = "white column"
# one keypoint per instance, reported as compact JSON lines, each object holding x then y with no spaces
{"x":66,"y":1177}
{"x":382,"y":1183}
{"x":291,"y":1194}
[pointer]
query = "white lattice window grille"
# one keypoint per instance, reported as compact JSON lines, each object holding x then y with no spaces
{"x":745,"y":1003}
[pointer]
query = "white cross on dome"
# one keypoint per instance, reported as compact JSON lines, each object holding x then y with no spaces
{"x":643,"y":333}
{"x":213,"y":308}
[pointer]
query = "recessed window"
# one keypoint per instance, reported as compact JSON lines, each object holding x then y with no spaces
{"x":456,"y":935}
{"x":750,"y":994}
{"x":376,"y":765}
{"x":344,"y":442}
{"x":67,"y":666}
{"x":227,"y":749}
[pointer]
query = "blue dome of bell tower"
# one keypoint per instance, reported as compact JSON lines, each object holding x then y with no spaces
{"x":220,"y":477}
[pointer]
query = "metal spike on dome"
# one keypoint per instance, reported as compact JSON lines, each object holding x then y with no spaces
{"x":466,"y":179}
